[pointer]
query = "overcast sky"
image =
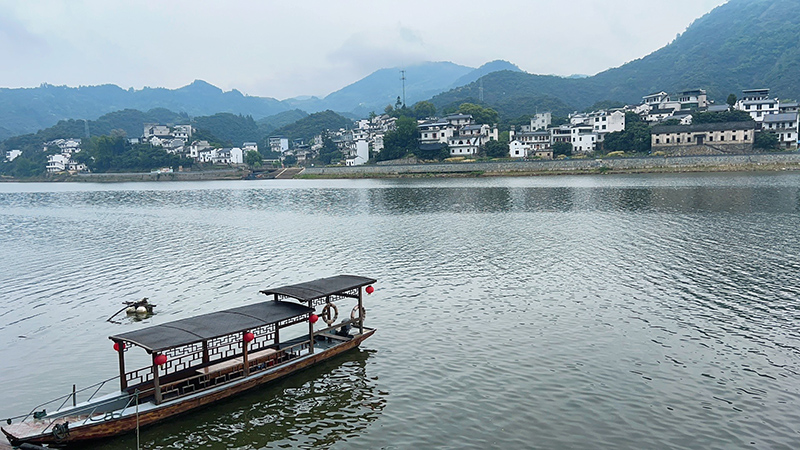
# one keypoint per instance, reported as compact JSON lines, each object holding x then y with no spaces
{"x":284,"y":49}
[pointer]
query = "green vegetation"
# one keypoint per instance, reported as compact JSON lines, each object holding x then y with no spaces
{"x":116,"y":154}
{"x":231,"y":130}
{"x":766,"y":140}
{"x":312,"y":125}
{"x":400,"y":142}
{"x":494,"y":149}
{"x":562,"y":148}
{"x":635,"y":138}
{"x":724,"y":116}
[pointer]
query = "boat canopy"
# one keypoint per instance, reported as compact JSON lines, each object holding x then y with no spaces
{"x":212,"y":325}
{"x":322,"y":287}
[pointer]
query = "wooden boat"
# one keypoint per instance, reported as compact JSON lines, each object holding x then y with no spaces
{"x":200,"y":360}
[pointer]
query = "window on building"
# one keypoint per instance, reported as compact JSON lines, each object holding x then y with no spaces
{"x":722,"y":137}
{"x":711,"y":138}
{"x":667,"y":140}
{"x":657,"y":141}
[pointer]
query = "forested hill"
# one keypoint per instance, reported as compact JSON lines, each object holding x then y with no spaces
{"x":29,"y":110}
{"x":312,"y":125}
{"x":739,"y":45}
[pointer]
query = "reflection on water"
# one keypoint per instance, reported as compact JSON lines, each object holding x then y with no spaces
{"x":640,"y":311}
{"x":314,"y":409}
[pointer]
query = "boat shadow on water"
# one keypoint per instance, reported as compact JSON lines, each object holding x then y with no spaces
{"x":315,"y":408}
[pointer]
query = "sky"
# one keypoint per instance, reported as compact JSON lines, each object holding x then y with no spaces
{"x":285,"y":49}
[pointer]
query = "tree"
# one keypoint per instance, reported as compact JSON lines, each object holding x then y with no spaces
{"x":731,"y":100}
{"x":399,"y":103}
{"x":562,"y":148}
{"x":635,"y":138}
{"x":494,"y":149}
{"x":329,"y":153}
{"x":766,"y":140}
{"x":479,"y":113}
{"x":401,"y":141}
{"x":388,"y":109}
{"x":424,"y":109}
{"x":253,"y":158}
{"x":724,"y":116}
{"x":438,"y":151}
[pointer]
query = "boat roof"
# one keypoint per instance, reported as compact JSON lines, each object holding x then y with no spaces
{"x":323,"y":287}
{"x":212,"y":325}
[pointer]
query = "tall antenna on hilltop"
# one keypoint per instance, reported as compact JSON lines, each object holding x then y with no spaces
{"x":403,"y":78}
{"x":480,"y":90}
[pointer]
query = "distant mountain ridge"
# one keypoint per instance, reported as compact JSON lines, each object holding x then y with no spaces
{"x":27,"y":110}
{"x":739,"y":45}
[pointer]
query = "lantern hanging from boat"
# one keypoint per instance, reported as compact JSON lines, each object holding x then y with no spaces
{"x":117,"y":346}
{"x":370,"y":289}
{"x":313,"y":318}
{"x":248,"y":337}
{"x":160,"y":359}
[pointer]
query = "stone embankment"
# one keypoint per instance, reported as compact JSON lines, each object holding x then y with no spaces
{"x":717,"y":163}
{"x":224,"y":174}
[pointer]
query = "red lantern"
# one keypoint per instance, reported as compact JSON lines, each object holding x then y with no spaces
{"x":370,"y":289}
{"x":160,"y":359}
{"x":249,"y":336}
{"x":313,"y":318}
{"x":116,"y":346}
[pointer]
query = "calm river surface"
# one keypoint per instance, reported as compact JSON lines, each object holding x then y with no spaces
{"x":624,"y":312}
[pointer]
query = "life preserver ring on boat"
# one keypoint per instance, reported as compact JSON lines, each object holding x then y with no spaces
{"x":61,"y":431}
{"x":358,"y":313}
{"x":326,"y":313}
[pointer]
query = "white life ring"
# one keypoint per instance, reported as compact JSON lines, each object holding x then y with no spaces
{"x":358,"y":313}
{"x":326,"y":313}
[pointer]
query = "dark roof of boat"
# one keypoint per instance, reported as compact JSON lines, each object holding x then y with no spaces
{"x":208,"y":326}
{"x":323,"y":287}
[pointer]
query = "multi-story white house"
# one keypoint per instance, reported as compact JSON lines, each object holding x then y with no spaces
{"x":57,"y":163}
{"x":757,"y":103}
{"x":152,"y":129}
{"x":435,"y":131}
{"x":785,"y":126}
{"x":278,"y":144}
{"x":604,"y":122}
{"x":583,"y":138}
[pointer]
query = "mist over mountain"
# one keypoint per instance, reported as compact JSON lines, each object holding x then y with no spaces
{"x":740,"y":45}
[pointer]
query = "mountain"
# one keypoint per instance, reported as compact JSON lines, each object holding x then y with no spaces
{"x":739,"y":45}
{"x":493,"y":66}
{"x":382,"y":87}
{"x":312,"y":125}
{"x":30,"y":109}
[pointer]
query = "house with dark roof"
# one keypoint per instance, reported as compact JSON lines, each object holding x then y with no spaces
{"x":785,"y":127}
{"x":704,"y":139}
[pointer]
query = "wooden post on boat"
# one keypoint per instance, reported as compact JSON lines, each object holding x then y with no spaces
{"x":123,"y":382}
{"x":277,"y":325}
{"x":205,"y":352}
{"x":245,"y":344}
{"x":360,"y":310}
{"x":156,"y":384}
{"x":310,"y":334}
{"x":74,"y":396}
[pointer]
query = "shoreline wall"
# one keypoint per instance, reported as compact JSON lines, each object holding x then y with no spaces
{"x":672,"y":163}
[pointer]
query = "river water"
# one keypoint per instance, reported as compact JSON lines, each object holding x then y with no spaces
{"x":626,"y":312}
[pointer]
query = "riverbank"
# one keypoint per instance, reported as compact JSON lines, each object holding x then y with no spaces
{"x":677,"y":164}
{"x":719,"y":163}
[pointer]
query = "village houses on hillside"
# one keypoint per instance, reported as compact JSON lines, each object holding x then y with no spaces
{"x":585,"y":133}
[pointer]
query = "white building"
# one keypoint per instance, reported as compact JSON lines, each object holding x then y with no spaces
{"x":541,"y":121}
{"x":757,"y":103}
{"x":151,"y":129}
{"x":362,"y":154}
{"x":237,"y":155}
{"x":785,"y":126}
{"x":604,"y":122}
{"x":278,"y":144}
{"x":57,"y":163}
{"x":12,"y":155}
{"x":197,"y":147}
{"x":584,"y":139}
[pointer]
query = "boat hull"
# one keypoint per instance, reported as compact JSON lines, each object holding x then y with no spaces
{"x":123,"y":425}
